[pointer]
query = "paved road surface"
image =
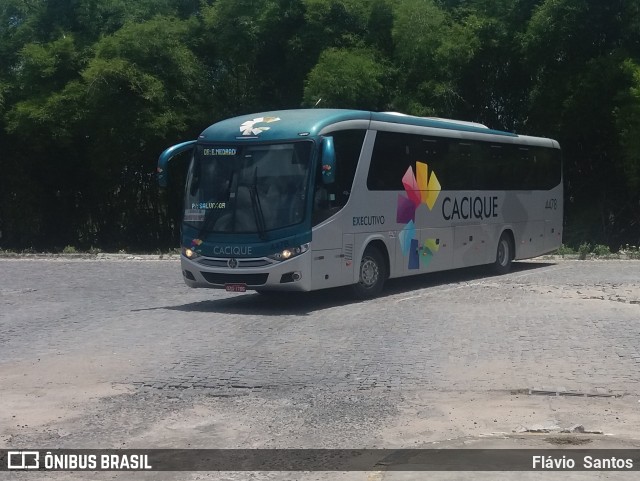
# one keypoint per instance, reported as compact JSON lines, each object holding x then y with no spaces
{"x":119,"y":353}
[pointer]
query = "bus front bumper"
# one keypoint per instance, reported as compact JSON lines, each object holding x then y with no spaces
{"x":250,"y":274}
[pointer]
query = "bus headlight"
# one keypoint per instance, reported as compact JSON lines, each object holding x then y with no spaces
{"x":189,"y":253}
{"x":289,"y":253}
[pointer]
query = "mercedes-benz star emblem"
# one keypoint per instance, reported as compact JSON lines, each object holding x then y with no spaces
{"x":232,"y":263}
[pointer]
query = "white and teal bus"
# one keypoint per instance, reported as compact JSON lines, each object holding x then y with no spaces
{"x":300,"y":200}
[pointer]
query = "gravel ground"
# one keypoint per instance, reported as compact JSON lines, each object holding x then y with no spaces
{"x":115,"y":352}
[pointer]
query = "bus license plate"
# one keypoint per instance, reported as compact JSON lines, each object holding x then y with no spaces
{"x":235,"y":287}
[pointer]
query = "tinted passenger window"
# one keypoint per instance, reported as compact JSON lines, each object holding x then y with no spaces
{"x":389,"y":161}
{"x":462,"y":164}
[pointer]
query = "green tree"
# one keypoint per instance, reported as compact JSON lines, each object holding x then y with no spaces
{"x":249,"y":47}
{"x":336,"y":23}
{"x":92,"y":90}
{"x":577,"y":51}
{"x":380,"y":26}
{"x":627,"y":116}
{"x":346,"y":79}
{"x":88,"y":126}
{"x":494,"y":83}
{"x":431,"y":52}
{"x":143,"y":89}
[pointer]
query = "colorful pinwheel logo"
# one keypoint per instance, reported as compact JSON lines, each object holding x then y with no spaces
{"x":421,"y":188}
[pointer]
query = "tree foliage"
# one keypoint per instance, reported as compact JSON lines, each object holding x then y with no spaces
{"x":92,"y":90}
{"x":346,"y":79}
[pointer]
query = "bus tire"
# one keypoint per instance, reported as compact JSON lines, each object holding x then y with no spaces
{"x":372,"y":274}
{"x":504,"y":255}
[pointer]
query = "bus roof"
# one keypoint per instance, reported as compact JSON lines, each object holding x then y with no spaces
{"x":289,"y":124}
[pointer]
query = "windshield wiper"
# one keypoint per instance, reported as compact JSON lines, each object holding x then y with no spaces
{"x":205,"y":224}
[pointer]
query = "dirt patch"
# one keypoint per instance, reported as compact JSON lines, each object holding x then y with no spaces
{"x":568,"y":441}
{"x":456,"y":419}
{"x":52,"y":389}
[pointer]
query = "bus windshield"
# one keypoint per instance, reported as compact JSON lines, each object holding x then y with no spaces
{"x":247,"y":189}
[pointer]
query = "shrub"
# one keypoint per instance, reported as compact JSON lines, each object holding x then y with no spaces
{"x":565,"y":250}
{"x":632,"y":252}
{"x":583,"y":250}
{"x":602,"y":250}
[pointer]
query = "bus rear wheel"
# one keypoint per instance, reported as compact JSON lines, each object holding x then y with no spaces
{"x":373,"y":273}
{"x":504,"y":255}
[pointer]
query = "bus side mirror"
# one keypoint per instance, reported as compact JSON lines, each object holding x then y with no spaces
{"x":166,"y":156}
{"x":328,"y":161}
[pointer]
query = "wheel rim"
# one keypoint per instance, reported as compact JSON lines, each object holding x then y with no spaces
{"x":503,"y":252}
{"x":369,"y":272}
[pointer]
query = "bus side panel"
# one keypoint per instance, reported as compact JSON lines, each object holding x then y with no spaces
{"x":472,"y":245}
{"x":328,"y":255}
{"x":530,"y":239}
{"x":328,"y":235}
{"x":552,"y":235}
{"x":326,"y":269}
{"x":553,"y":225}
{"x":536,"y":217}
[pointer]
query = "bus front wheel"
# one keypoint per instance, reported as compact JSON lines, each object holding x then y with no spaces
{"x":504,"y":255}
{"x":373,"y":273}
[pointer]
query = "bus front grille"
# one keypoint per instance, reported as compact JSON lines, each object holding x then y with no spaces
{"x":248,"y":279}
{"x":211,"y":262}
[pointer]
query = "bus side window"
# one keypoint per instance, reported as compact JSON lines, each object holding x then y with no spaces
{"x":548,"y":165}
{"x":500,"y":170}
{"x":389,"y":161}
{"x":462,"y":166}
{"x":434,"y":151}
{"x":526,"y":167}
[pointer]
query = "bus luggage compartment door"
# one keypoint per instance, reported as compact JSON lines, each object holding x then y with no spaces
{"x":471,"y":246}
